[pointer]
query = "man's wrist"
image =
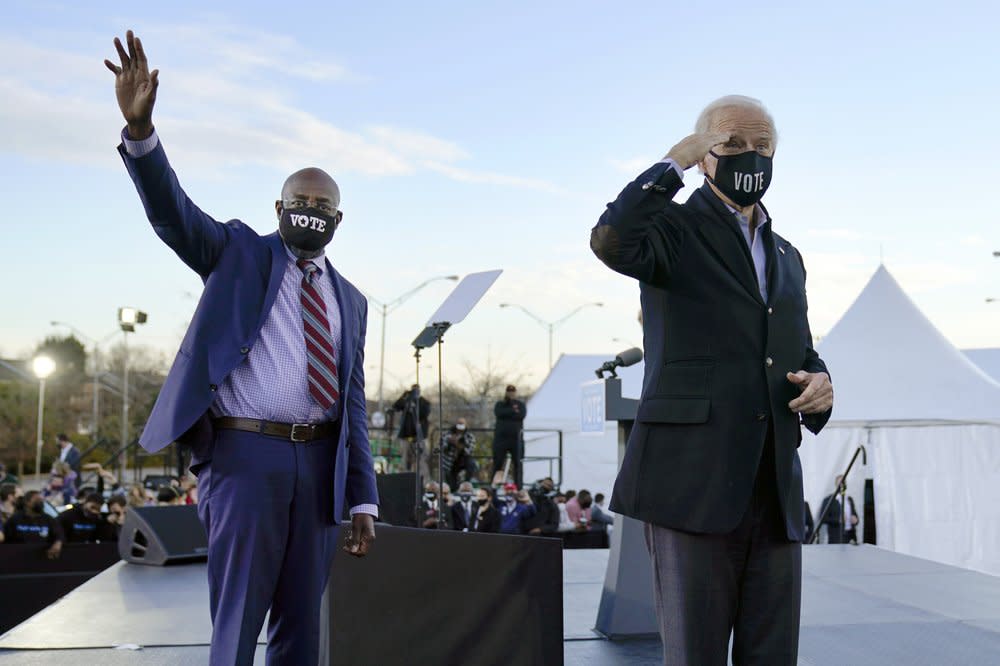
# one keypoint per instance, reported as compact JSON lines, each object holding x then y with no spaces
{"x":139,"y":131}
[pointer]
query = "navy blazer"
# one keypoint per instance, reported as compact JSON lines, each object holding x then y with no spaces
{"x":242,"y":272}
{"x":716,"y":358}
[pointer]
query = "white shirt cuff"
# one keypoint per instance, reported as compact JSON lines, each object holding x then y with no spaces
{"x":674,"y":165}
{"x":137,"y":149}
{"x":370,"y":509}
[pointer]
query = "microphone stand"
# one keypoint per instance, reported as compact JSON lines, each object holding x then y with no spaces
{"x":842,"y":489}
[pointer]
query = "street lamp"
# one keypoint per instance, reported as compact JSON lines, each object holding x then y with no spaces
{"x":391,"y":306}
{"x":996,"y":253}
{"x":551,"y":325}
{"x":128,"y":318}
{"x":43,"y":366}
{"x":991,"y":300}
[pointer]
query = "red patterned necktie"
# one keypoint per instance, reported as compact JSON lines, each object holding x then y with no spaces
{"x":324,"y":385}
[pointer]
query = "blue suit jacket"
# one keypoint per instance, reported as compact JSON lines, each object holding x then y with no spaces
{"x":242,"y":272}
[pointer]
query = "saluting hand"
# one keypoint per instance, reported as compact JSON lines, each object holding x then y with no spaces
{"x":692,"y":149}
{"x":817,"y":392}
{"x":135,"y":86}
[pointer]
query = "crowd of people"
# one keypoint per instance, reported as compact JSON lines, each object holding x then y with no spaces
{"x":541,"y":510}
{"x":64,"y":511}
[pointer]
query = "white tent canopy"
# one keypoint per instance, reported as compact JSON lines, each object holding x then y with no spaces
{"x":987,"y":359}
{"x":929,"y":419}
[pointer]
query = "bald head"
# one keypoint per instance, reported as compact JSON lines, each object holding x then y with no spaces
{"x":313,"y":185}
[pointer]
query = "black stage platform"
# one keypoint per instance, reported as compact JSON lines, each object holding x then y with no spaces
{"x":861,"y":606}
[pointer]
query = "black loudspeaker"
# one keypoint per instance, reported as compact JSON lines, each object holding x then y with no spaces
{"x":161,"y":535}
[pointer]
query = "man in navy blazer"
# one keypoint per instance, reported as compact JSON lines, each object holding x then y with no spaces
{"x":267,"y":390}
{"x":731,"y":377}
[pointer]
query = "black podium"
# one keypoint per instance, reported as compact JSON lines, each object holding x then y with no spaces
{"x":626,"y":609}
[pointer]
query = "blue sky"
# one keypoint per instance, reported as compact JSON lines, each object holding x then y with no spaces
{"x":470,"y":136}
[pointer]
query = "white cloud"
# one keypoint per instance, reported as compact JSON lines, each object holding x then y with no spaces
{"x":493,"y":178}
{"x":417,"y":144}
{"x":633,"y":165}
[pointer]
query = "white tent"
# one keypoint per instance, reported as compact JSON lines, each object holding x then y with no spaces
{"x":589,"y":461}
{"x":930,"y":421}
{"x":987,"y":359}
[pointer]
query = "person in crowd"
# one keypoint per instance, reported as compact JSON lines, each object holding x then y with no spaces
{"x":515,"y":509}
{"x":416,"y":411}
{"x":84,"y":523}
{"x":507,"y":433}
{"x":600,"y":518}
{"x":731,"y":376}
{"x":579,"y":511}
{"x":68,"y":453}
{"x":30,"y":524}
{"x":117,"y":507}
{"x":137,"y":496}
{"x":463,"y":510}
{"x":168,"y":495}
{"x":62,"y":484}
{"x":188,"y":487}
{"x":486,"y":518}
{"x":430,"y":514}
{"x":9,"y":494}
{"x":545,"y":522}
{"x":810,"y":524}
{"x":6,"y":476}
{"x":570,"y":494}
{"x":107,"y":482}
{"x":841,"y":520}
{"x":446,"y":496}
{"x":456,"y":449}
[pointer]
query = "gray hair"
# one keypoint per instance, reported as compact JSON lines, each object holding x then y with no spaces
{"x":704,"y":122}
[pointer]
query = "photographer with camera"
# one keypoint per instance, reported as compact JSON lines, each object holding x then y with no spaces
{"x":545,"y":522}
{"x":456,"y":449}
{"x":413,"y":429}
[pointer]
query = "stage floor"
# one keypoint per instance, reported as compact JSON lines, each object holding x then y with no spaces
{"x":861,"y":606}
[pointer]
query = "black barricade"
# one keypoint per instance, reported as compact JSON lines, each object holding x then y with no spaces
{"x":439,"y":597}
{"x":30,"y":581}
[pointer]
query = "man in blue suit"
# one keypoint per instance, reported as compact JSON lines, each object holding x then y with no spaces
{"x":267,"y":390}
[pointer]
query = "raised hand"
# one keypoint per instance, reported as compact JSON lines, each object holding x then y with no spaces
{"x":692,"y":149}
{"x":135,"y":86}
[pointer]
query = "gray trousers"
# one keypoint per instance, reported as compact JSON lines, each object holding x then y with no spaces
{"x":747,"y":583}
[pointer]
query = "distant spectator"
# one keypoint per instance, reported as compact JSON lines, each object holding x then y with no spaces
{"x":841,"y":521}
{"x":9,"y":494}
{"x":68,"y":453}
{"x":515,"y":509}
{"x":463,"y":510}
{"x":429,"y":515}
{"x":30,"y":524}
{"x":168,"y":495}
{"x":117,"y":507}
{"x":578,"y":510}
{"x":456,"y":449}
{"x":600,"y":518}
{"x":545,"y":522}
{"x":446,"y":495}
{"x":106,"y":480}
{"x":62,"y":484}
{"x":5,"y":476}
{"x":412,"y":404}
{"x":507,"y":434}
{"x":189,"y":489}
{"x":137,"y":496}
{"x":84,"y":523}
{"x":570,"y":494}
{"x":487,"y":518}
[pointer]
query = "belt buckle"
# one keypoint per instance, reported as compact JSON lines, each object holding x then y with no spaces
{"x":295,"y":437}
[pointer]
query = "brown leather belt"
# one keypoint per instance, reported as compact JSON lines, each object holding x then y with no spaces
{"x":293,"y":432}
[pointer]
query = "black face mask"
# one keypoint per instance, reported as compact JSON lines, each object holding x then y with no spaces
{"x":481,"y":502}
{"x":743,"y":178}
{"x":307,"y":228}
{"x":465,"y":496}
{"x":38,"y":507}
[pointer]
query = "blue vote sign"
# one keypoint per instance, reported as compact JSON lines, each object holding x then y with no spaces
{"x":592,"y":407}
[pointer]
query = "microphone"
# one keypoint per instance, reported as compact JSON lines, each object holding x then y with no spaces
{"x":622,"y":360}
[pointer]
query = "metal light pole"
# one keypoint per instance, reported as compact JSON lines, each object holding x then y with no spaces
{"x":128,"y":318}
{"x":551,"y":326}
{"x":43,"y":366}
{"x":387,"y":307}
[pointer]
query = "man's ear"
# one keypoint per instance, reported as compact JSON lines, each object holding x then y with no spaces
{"x":277,"y":208}
{"x":340,"y":217}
